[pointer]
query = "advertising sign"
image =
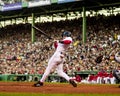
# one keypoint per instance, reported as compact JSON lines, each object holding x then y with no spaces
{"x":65,"y":1}
{"x":24,"y":4}
{"x":54,"y":1}
{"x":35,"y":3}
{"x":14,"y":6}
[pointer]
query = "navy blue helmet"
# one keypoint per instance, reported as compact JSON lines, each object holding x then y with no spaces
{"x":66,"y":33}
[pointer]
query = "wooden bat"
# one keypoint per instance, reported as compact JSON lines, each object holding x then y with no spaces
{"x":42,"y":32}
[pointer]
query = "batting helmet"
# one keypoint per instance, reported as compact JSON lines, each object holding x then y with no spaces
{"x":66,"y":33}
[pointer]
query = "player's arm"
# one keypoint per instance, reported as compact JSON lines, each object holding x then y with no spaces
{"x":65,"y":41}
{"x":55,"y":43}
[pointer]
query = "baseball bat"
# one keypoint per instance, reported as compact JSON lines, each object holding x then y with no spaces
{"x":42,"y":32}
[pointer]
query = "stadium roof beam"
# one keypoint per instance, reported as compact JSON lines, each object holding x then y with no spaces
{"x":58,"y":8}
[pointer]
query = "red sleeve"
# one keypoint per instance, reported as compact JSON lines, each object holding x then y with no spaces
{"x":67,"y":41}
{"x":55,"y":44}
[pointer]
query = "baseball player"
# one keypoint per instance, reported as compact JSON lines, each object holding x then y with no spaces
{"x":57,"y":60}
{"x":116,"y":74}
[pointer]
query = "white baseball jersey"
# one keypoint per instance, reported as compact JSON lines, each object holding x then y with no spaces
{"x":60,"y":50}
{"x":57,"y":59}
{"x":62,"y":47}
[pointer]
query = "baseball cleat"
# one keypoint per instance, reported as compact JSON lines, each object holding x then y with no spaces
{"x":73,"y":83}
{"x":38,"y":84}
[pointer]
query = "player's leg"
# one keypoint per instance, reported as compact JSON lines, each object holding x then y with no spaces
{"x":61,"y":73}
{"x":112,"y":80}
{"x":47,"y":72}
{"x":45,"y":75}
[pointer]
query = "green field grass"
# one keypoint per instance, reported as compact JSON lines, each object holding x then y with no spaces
{"x":35,"y":94}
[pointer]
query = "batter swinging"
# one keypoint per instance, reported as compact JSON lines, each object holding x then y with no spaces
{"x":57,"y":60}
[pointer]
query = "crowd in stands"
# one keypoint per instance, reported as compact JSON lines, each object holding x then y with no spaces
{"x":18,"y":55}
